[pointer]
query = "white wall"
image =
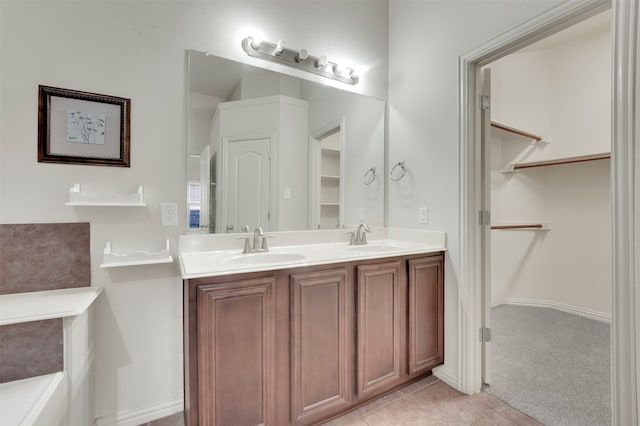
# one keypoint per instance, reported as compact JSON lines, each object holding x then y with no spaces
{"x":426,"y":39}
{"x":138,"y":50}
{"x":565,"y":90}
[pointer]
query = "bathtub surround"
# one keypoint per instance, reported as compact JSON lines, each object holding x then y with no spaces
{"x":44,"y":256}
{"x":38,"y":257}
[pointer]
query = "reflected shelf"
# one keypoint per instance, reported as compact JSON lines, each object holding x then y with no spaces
{"x":559,"y":161}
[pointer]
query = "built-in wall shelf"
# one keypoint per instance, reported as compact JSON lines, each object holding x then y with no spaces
{"x":522,"y":226}
{"x":78,"y":198}
{"x":559,"y":161}
{"x":112,"y":260}
{"x":511,"y":131}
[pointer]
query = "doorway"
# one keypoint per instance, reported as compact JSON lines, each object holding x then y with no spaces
{"x":326,"y":180}
{"x":624,"y":191}
{"x":549,"y":246}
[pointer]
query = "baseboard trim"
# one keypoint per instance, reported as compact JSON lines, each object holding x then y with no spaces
{"x":143,"y":415}
{"x":586,"y":313}
{"x":443,"y":373}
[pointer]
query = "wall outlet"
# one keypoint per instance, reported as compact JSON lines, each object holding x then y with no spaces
{"x":169,"y":214}
{"x":423,"y":215}
{"x":360,"y":213}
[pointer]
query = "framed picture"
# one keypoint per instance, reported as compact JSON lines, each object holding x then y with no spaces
{"x":82,"y":128}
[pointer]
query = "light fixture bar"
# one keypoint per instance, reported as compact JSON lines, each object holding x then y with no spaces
{"x":277,"y":52}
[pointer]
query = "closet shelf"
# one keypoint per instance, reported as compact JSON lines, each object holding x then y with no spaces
{"x":78,"y":198}
{"x":523,"y":226}
{"x":558,"y":161}
{"x":112,"y":260}
{"x":514,"y":131}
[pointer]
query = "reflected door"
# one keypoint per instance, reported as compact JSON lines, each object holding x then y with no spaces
{"x":248,"y":184}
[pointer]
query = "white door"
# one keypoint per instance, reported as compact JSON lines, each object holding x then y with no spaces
{"x":248,"y":188}
{"x":205,"y":188}
{"x":485,"y":227}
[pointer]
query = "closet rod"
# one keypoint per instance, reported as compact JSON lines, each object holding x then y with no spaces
{"x":562,"y":161}
{"x":510,"y":129}
{"x":527,"y":226}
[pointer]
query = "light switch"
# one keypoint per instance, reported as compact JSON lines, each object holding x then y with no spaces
{"x":287,"y":193}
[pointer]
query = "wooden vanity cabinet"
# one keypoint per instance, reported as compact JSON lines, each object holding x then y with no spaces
{"x":321,"y":344}
{"x":300,"y":346}
{"x":426,"y":313}
{"x":236,"y":352}
{"x":380,"y":324}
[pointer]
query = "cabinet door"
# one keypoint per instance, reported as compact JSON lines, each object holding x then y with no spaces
{"x":236,"y":342}
{"x":380,"y":308}
{"x":426,"y":313}
{"x":321,"y":362}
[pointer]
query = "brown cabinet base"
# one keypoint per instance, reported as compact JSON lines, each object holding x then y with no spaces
{"x":302,"y":346}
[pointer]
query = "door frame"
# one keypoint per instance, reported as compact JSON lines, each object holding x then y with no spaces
{"x":625,"y":193}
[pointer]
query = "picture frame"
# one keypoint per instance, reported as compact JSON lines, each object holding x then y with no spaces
{"x":77,"y":127}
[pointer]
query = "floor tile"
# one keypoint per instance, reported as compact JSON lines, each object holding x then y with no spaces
{"x":428,"y":402}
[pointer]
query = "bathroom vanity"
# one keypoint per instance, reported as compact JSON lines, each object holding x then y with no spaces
{"x":305,"y":332}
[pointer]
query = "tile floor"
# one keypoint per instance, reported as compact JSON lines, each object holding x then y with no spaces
{"x":424,"y":403}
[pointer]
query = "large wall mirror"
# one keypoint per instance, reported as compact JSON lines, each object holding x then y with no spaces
{"x":271,"y":150}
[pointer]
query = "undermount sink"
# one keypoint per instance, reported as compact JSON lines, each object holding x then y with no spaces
{"x":265,"y":257}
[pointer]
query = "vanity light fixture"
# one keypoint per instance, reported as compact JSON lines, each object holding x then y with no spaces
{"x":279,"y":53}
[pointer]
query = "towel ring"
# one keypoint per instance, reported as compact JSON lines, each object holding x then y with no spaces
{"x":400,"y":174}
{"x":369,"y":176}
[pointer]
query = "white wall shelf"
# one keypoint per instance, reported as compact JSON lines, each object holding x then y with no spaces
{"x":78,"y":198}
{"x":112,"y":260}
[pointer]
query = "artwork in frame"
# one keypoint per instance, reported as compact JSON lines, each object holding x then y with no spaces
{"x":83,"y":128}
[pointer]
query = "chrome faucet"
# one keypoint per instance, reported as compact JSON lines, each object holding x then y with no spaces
{"x":359,"y":236}
{"x":258,"y":244}
{"x":257,"y":234}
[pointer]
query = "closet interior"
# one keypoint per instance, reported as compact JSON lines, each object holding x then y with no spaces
{"x":550,"y":173}
{"x":551,"y":225}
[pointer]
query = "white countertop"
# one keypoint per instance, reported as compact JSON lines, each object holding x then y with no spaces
{"x":42,"y":305}
{"x":211,"y":255}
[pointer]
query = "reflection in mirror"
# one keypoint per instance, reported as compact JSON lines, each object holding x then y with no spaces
{"x":271,"y":150}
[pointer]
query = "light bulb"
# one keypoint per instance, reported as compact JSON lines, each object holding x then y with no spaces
{"x":338,"y":69}
{"x":302,"y":55}
{"x":279,"y":48}
{"x":255,"y":41}
{"x":322,"y":61}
